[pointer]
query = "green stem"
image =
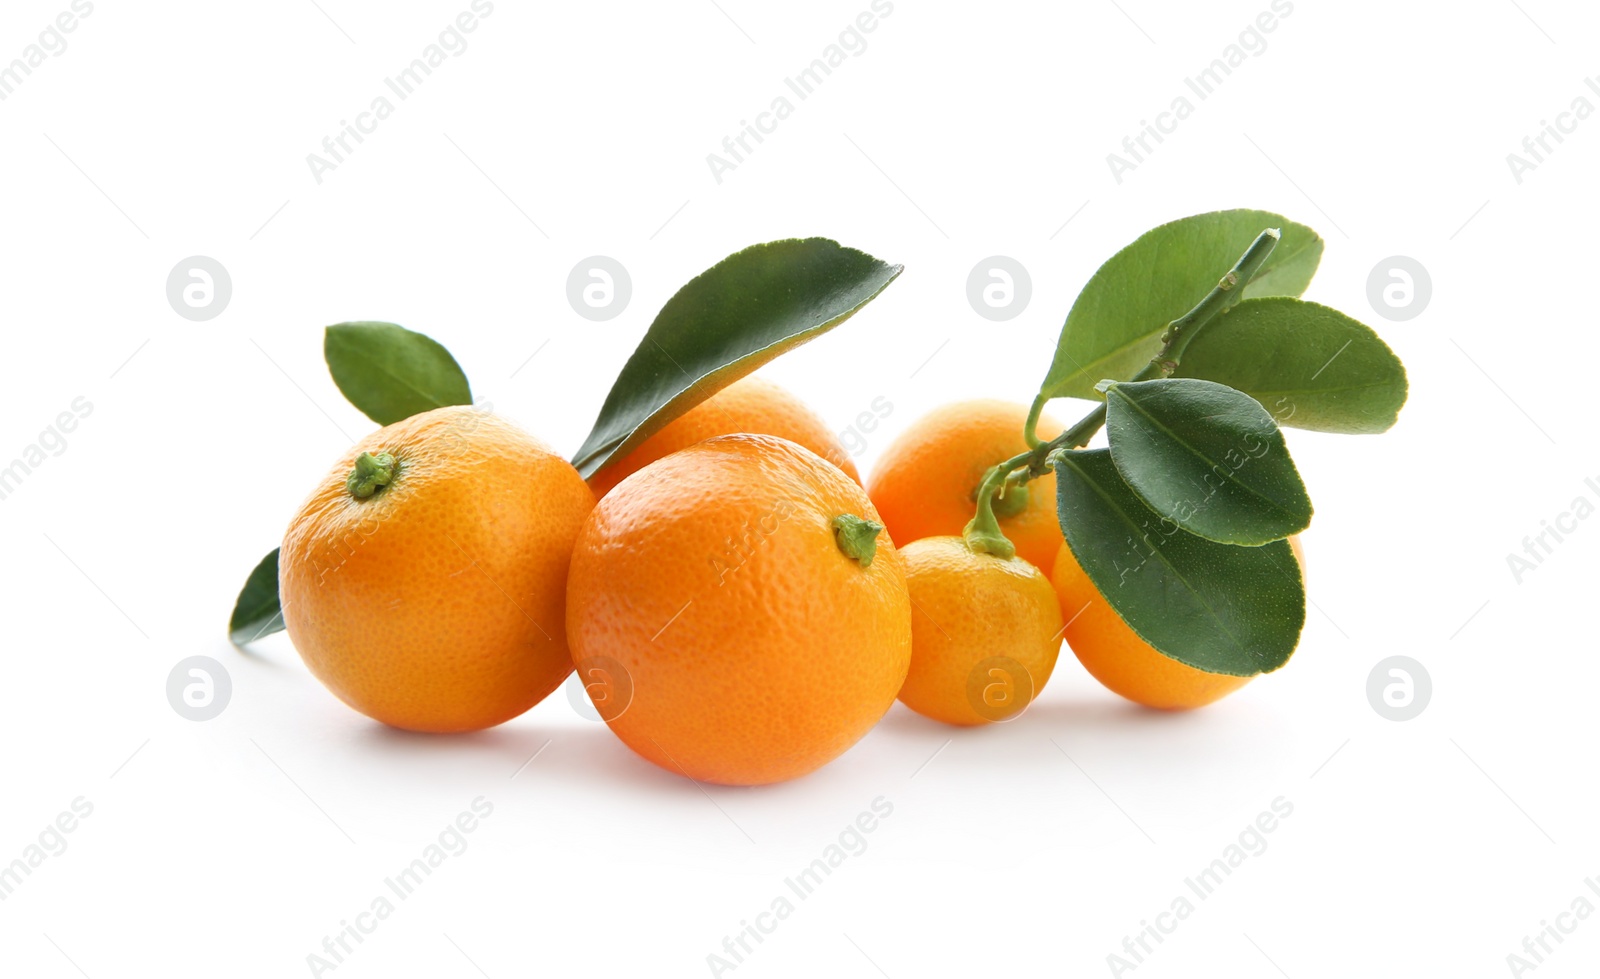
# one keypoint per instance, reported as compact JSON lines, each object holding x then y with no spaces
{"x":1224,"y":296}
{"x":1080,"y":433}
{"x":1175,"y":339}
{"x":983,"y":533}
{"x":1030,"y":426}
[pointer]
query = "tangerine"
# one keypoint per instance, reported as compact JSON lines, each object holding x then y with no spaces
{"x":743,"y":589}
{"x":423,"y":581}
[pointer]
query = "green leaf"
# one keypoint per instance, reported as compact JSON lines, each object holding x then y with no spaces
{"x":1208,"y":458}
{"x":1215,"y":607}
{"x":1310,"y":366}
{"x":392,"y":373}
{"x":257,"y":612}
{"x":728,"y":321}
{"x":1115,"y":325}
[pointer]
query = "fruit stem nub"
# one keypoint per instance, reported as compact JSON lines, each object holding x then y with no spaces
{"x":857,"y":538}
{"x":371,"y":474}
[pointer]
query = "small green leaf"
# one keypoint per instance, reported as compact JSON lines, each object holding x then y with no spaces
{"x":1115,"y":325}
{"x":1208,"y":458}
{"x":1310,"y":366}
{"x":392,"y":373}
{"x":257,"y":612}
{"x":729,"y":320}
{"x":1215,"y":607}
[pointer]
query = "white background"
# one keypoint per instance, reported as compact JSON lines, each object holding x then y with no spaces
{"x":232,"y":847}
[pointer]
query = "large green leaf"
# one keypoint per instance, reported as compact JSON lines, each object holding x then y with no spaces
{"x":257,"y":612}
{"x":392,"y":373}
{"x":1114,"y":327}
{"x":1208,"y":458}
{"x":1215,"y":607}
{"x":729,"y":320}
{"x":1310,"y":366}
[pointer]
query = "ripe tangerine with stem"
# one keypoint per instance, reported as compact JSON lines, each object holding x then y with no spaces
{"x":423,"y":581}
{"x":985,"y":632}
{"x":745,"y":588}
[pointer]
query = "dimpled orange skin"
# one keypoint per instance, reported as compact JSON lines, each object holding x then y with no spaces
{"x":925,"y":482}
{"x":756,"y":649}
{"x":750,"y":405}
{"x":968,"y":607}
{"x":1125,"y":664}
{"x":437,"y":604}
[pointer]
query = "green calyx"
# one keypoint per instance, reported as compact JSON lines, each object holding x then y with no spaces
{"x":371,"y":474}
{"x":857,"y":538}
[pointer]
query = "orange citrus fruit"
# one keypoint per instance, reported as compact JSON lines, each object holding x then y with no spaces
{"x":423,"y":581}
{"x":926,"y":482}
{"x":751,"y":406}
{"x":985,"y":632}
{"x":1127,"y":665}
{"x":744,"y":594}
